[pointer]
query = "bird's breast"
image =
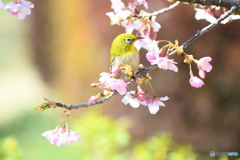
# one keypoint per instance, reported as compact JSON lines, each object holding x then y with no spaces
{"x":131,"y":59}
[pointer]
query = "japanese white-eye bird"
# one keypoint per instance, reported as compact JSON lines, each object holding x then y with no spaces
{"x":123,"y":51}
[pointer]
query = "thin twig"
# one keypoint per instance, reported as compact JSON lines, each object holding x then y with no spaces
{"x":76,"y":106}
{"x":221,"y":3}
{"x":161,"y":11}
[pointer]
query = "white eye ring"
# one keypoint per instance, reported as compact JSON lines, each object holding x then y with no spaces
{"x":128,"y":40}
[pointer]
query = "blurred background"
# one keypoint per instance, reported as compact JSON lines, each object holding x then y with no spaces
{"x":62,"y":47}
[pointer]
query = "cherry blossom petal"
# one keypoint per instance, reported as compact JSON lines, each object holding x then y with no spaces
{"x":129,"y":99}
{"x":165,"y":63}
{"x":203,"y":14}
{"x":196,"y":82}
{"x":153,"y":108}
{"x":119,"y":85}
{"x":204,"y":64}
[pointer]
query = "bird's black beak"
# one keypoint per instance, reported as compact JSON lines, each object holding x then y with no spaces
{"x":140,"y":37}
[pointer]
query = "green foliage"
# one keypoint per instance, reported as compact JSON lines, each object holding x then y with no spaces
{"x":102,"y":138}
{"x":9,"y":149}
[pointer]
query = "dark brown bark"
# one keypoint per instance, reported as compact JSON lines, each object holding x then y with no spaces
{"x":221,"y":3}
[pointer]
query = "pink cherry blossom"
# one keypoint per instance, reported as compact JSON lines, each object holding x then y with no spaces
{"x":117,"y":5}
{"x":125,"y":16}
{"x":93,"y":99}
{"x":153,"y":56}
{"x":146,"y":27}
{"x":205,"y":14}
{"x":134,"y":3}
{"x":119,"y":85}
{"x":131,"y":100}
{"x":119,"y":17}
{"x":153,"y":51}
{"x":21,"y":8}
{"x":202,"y":74}
{"x":155,"y":25}
{"x":129,"y":25}
{"x":154,"y":105}
{"x":204,"y":64}
{"x":141,"y":97}
{"x":165,"y":63}
{"x":61,"y":136}
{"x":107,"y":81}
{"x":116,"y":69}
{"x":113,"y":17}
{"x":196,"y":82}
{"x":148,"y":44}
{"x":136,"y":98}
{"x":210,"y":15}
{"x":105,"y":77}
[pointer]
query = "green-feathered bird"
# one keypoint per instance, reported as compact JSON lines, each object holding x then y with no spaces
{"x":123,"y":51}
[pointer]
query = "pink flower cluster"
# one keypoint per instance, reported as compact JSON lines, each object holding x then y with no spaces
{"x":135,"y":99}
{"x":61,"y":136}
{"x":203,"y":67}
{"x":125,"y":15}
{"x":211,"y":14}
{"x":21,"y":8}
{"x":155,"y":57}
{"x":108,"y":82}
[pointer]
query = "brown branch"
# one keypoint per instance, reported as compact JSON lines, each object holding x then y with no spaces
{"x":76,"y":106}
{"x":221,"y":3}
{"x":206,"y":29}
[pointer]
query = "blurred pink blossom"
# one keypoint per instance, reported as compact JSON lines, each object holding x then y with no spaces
{"x":21,"y":8}
{"x":201,"y":73}
{"x":117,"y":5}
{"x":125,"y":15}
{"x":196,"y":82}
{"x":131,"y":100}
{"x":129,"y":25}
{"x":154,"y":105}
{"x":141,"y":97}
{"x":146,"y":27}
{"x":1,"y":4}
{"x":118,"y":17}
{"x":165,"y":63}
{"x":119,"y":85}
{"x":61,"y":136}
{"x":107,"y":81}
{"x":134,"y":3}
{"x":210,"y":15}
{"x":205,"y":14}
{"x":204,"y":64}
{"x":153,"y":51}
{"x":153,"y":56}
{"x":93,"y":99}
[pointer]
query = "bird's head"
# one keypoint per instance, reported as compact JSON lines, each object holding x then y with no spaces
{"x":124,"y":44}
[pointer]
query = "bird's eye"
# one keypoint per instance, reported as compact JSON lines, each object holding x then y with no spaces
{"x":128,"y":40}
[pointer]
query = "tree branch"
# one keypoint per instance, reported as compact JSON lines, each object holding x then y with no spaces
{"x":53,"y":104}
{"x":221,"y":3}
{"x":76,"y":106}
{"x":206,"y":29}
